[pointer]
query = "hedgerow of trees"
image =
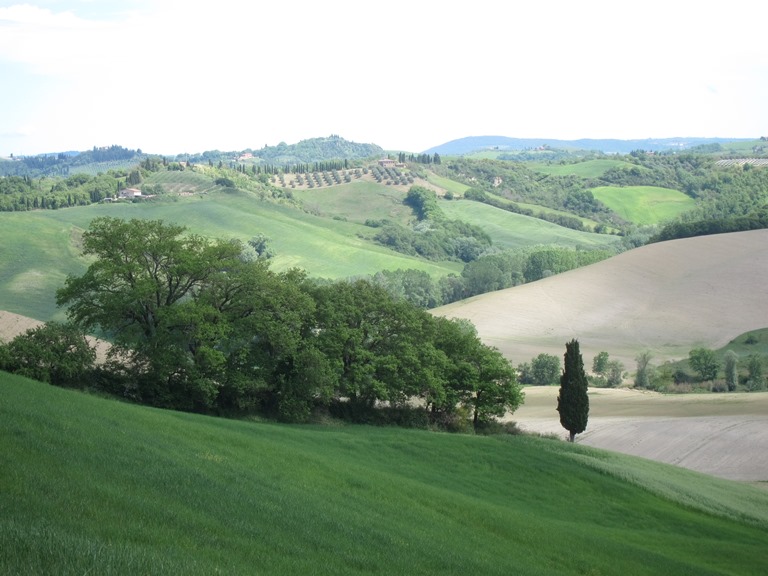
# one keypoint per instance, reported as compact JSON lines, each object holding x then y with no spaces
{"x":195,"y":326}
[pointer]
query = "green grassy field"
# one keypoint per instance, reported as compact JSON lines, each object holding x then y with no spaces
{"x":510,"y":230}
{"x":357,"y":202}
{"x":588,"y":169}
{"x":447,"y":184}
{"x":38,"y":249}
{"x":180,"y":182}
{"x":95,"y":486}
{"x":36,"y":254}
{"x":644,"y":204}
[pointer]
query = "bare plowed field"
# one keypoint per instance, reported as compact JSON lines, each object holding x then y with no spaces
{"x":724,"y":435}
{"x":666,"y":298}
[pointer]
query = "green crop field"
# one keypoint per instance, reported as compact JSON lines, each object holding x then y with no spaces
{"x":588,"y":169}
{"x":181,"y":182}
{"x":510,"y":230}
{"x":644,"y":204}
{"x":96,"y":486}
{"x":36,"y":254}
{"x":357,"y":202}
{"x":38,"y":249}
{"x":447,"y":184}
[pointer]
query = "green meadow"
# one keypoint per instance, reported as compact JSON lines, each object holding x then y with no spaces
{"x":96,"y":486}
{"x":447,"y":184}
{"x":510,"y":230}
{"x":644,"y":204}
{"x":357,"y":202}
{"x":586,"y":169}
{"x":38,"y":249}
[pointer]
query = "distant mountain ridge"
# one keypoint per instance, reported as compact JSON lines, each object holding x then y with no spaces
{"x":471,"y":144}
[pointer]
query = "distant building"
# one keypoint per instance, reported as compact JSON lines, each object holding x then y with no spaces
{"x":129,"y":193}
{"x":386,"y":162}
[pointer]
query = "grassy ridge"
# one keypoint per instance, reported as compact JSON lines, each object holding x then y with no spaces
{"x":97,"y":486}
{"x":510,"y":230}
{"x":644,"y":204}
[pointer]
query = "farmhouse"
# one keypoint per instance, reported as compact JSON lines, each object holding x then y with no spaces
{"x":386,"y":162}
{"x":130,"y":193}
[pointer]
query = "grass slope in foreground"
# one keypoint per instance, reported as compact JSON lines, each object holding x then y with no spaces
{"x":97,"y":486}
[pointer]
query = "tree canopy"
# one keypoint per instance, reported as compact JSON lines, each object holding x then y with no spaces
{"x":198,"y":324}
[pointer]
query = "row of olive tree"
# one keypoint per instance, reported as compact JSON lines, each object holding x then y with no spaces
{"x":196,"y":326}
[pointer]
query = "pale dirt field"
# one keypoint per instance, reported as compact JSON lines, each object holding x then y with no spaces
{"x":666,"y":298}
{"x":11,"y":325}
{"x":724,"y":435}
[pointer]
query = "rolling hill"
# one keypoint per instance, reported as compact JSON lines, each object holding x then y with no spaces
{"x":666,"y":298}
{"x":97,"y":486}
{"x":469,"y":144}
{"x":39,"y":248}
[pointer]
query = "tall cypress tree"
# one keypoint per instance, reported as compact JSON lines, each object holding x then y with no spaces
{"x":573,"y":402}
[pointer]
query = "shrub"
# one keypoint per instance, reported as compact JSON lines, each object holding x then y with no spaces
{"x":56,"y":353}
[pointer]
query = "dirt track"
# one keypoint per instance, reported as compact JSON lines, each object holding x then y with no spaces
{"x":724,"y":435}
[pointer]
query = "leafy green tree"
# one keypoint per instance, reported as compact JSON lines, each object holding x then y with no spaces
{"x":703,"y":361}
{"x":731,"y":370}
{"x":261,"y":246}
{"x":545,"y":369}
{"x":615,"y":373}
{"x":600,"y":363}
{"x":145,"y":290}
{"x":572,"y":401}
{"x":55,"y":352}
{"x":644,"y":370}
{"x":755,"y":378}
{"x":472,"y":376}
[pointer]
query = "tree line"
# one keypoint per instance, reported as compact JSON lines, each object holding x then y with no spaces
{"x":195,"y":326}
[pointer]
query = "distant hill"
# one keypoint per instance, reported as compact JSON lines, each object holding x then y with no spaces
{"x":470,"y":144}
{"x":304,"y":152}
{"x":102,"y":159}
{"x":667,"y":298}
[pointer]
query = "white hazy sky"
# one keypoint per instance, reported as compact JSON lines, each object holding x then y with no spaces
{"x":185,"y":76}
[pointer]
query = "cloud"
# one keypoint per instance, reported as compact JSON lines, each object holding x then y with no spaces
{"x":177,"y":75}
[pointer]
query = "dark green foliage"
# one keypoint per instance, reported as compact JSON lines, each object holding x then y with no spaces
{"x":545,"y":370}
{"x":515,"y":181}
{"x":703,"y":361}
{"x":600,"y":363}
{"x":644,"y":371}
{"x":545,"y":262}
{"x":63,"y":163}
{"x":572,"y":401}
{"x":614,"y":374}
{"x":756,"y":379}
{"x":414,"y":286}
{"x":731,"y":370}
{"x":434,"y":237}
{"x":54,"y":352}
{"x":197,"y":326}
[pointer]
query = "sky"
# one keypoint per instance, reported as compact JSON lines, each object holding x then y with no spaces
{"x":175,"y":76}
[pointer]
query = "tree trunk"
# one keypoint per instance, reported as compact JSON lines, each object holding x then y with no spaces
{"x":571,"y":436}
